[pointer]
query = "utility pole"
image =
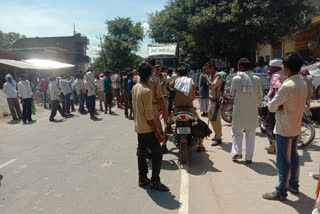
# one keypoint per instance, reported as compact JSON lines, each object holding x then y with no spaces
{"x":103,"y":55}
{"x":74,"y":29}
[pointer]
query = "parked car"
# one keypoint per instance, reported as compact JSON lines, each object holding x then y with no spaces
{"x":314,"y":70}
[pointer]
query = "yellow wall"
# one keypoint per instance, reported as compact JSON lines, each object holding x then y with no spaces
{"x":264,"y":50}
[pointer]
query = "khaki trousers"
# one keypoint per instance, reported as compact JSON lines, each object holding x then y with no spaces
{"x":14,"y":107}
{"x":216,"y":125}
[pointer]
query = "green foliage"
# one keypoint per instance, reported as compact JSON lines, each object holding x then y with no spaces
{"x":8,"y":39}
{"x":227,"y":29}
{"x":119,"y":45}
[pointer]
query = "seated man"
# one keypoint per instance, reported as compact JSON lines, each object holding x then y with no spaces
{"x":185,"y":93}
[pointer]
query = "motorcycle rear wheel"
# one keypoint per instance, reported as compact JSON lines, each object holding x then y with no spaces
{"x":226,"y":112}
{"x":183,"y":153}
{"x":307,"y":135}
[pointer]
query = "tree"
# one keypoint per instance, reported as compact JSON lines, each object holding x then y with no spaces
{"x":120,"y":44}
{"x":227,"y":29}
{"x":8,"y":39}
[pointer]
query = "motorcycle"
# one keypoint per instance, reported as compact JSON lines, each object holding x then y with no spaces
{"x":227,"y":107}
{"x":186,"y":133}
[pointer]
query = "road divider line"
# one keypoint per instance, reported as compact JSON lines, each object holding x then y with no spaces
{"x":184,"y":190}
{"x":7,"y":163}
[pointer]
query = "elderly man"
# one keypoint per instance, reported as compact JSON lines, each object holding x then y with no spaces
{"x":277,"y":78}
{"x":247,"y":92}
{"x":66,"y":90}
{"x":289,"y":105}
{"x":9,"y":88}
{"x":25,"y":94}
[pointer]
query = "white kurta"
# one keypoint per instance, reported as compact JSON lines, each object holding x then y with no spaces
{"x":245,"y":107}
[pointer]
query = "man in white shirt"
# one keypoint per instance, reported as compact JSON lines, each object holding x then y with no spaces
{"x":289,"y":105}
{"x":100,"y":90}
{"x":66,"y":90}
{"x":91,"y":88}
{"x":116,"y":86}
{"x":25,"y":95}
{"x":9,"y":88}
{"x":55,"y":98}
{"x":81,"y":92}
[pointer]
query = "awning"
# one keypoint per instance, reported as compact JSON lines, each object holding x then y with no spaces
{"x":35,"y":64}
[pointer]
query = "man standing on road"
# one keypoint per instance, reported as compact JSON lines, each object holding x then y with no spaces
{"x":44,"y":82}
{"x":157,"y":102}
{"x":289,"y":105}
{"x":25,"y":94}
{"x":55,"y":97}
{"x":116,"y":86}
{"x":204,"y":93}
{"x":108,"y":92}
{"x":100,"y":91}
{"x":247,"y":93}
{"x":215,"y":84}
{"x":91,"y":88}
{"x":81,"y":92}
{"x":9,"y":88}
{"x":277,"y":78}
{"x":66,"y":90}
{"x":148,"y":133}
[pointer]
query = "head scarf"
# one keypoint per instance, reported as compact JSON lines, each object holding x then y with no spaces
{"x":12,"y":82}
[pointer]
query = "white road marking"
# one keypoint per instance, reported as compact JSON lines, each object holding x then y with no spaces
{"x":184,"y":190}
{"x":7,"y":163}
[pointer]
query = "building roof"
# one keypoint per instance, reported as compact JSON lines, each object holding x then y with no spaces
{"x":35,"y":64}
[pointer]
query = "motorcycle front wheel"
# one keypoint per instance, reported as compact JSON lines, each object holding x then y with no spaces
{"x":306,"y":136}
{"x":226,"y":112}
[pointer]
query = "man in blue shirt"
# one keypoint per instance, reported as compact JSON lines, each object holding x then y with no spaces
{"x":130,"y":86}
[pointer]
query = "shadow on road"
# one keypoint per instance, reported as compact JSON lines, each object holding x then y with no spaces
{"x":170,"y":165}
{"x":261,"y":168}
{"x":200,"y":164}
{"x":164,"y":199}
{"x":303,"y":205}
{"x":226,"y":146}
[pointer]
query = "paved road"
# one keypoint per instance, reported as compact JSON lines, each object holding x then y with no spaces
{"x":81,"y":166}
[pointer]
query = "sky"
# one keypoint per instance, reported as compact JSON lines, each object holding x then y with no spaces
{"x":44,"y":18}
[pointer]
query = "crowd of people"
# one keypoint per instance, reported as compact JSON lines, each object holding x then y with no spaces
{"x":143,"y":94}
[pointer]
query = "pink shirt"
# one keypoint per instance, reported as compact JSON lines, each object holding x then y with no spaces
{"x":277,"y":78}
{"x":44,"y":85}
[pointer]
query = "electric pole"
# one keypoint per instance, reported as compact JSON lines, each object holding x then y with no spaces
{"x":103,"y":55}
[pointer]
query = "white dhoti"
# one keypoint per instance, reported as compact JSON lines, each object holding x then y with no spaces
{"x":204,"y":104}
{"x":237,"y":135}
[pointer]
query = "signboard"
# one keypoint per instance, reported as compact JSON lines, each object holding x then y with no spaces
{"x":315,"y":20}
{"x":162,"y":50}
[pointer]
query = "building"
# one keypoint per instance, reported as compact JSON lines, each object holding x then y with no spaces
{"x":306,"y":41}
{"x":68,"y":49}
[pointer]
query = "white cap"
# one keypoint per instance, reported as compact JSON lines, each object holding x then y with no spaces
{"x":276,"y":63}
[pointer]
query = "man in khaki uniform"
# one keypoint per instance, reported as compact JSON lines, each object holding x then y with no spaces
{"x":183,"y":103}
{"x":157,"y":97}
{"x":215,"y":84}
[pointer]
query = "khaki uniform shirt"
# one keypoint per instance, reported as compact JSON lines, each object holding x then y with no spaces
{"x":142,"y":107}
{"x":215,"y":88}
{"x":155,"y":86}
{"x":292,"y":95}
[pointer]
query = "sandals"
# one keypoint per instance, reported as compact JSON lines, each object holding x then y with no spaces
{"x":144,"y":183}
{"x":159,"y":186}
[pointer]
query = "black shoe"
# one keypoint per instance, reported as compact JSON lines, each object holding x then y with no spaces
{"x":1,"y":177}
{"x":52,"y":120}
{"x":165,"y":149}
{"x":201,"y":149}
{"x":216,"y":143}
{"x":203,"y":114}
{"x":315,"y":176}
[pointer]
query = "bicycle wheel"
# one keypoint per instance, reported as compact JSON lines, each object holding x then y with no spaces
{"x":307,"y":135}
